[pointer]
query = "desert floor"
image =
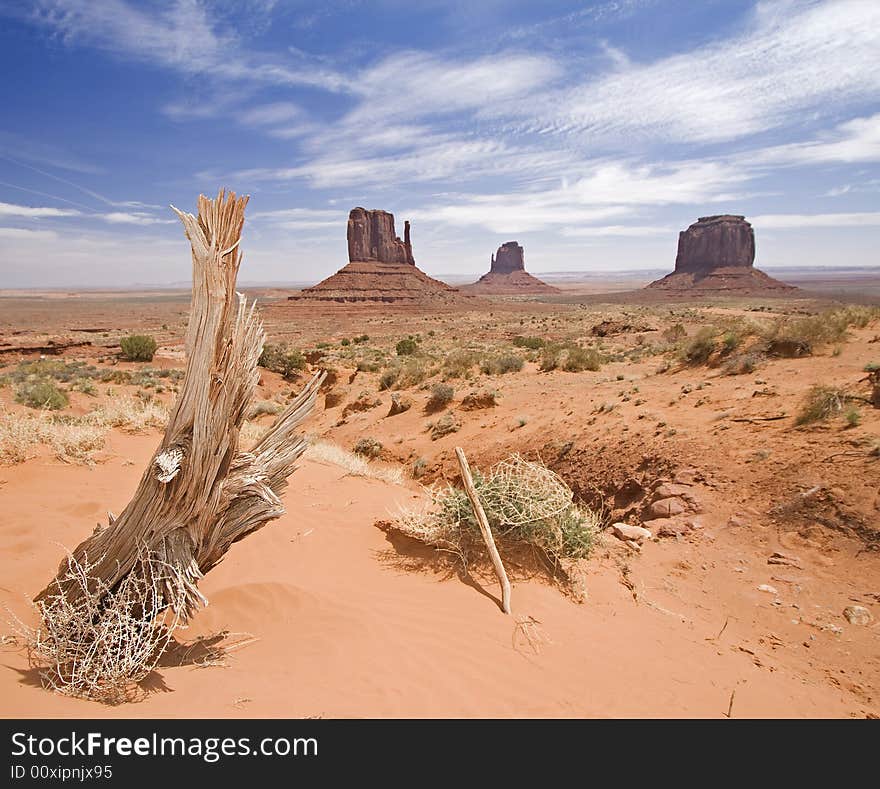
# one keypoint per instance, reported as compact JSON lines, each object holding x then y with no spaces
{"x":351,"y":619}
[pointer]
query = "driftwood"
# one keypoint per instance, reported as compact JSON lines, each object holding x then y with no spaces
{"x":483,"y":521}
{"x":200,"y":492}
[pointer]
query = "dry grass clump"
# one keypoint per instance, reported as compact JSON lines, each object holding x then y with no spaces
{"x":527,"y":505}
{"x":357,"y":466}
{"x":132,"y":414}
{"x":502,"y":363}
{"x":368,"y":448}
{"x":821,"y":402}
{"x":41,"y":393}
{"x":460,"y":363}
{"x":97,"y":643}
{"x":22,"y":433}
{"x":441,"y":396}
{"x":404,"y":374}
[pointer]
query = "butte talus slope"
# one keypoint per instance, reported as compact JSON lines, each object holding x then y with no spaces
{"x":507,"y":275}
{"x":381,"y":268}
{"x":716,"y":255}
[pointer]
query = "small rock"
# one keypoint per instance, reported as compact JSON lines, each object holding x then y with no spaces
{"x":686,"y":476}
{"x":670,"y":527}
{"x":767,"y":588}
{"x":624,"y":531}
{"x":857,"y":615}
{"x":666,"y":508}
{"x":399,"y":404}
{"x":737,"y":521}
{"x":781,"y":558}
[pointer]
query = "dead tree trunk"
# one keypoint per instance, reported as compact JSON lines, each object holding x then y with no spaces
{"x":200,"y":493}
{"x":485,"y":529}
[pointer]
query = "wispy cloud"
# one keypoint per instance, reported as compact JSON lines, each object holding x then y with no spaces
{"x":35,"y":212}
{"x":183,"y":37}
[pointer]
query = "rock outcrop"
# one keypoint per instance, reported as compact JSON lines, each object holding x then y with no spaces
{"x":716,"y":254}
{"x":381,"y":268}
{"x":507,"y":275}
{"x":371,"y":238}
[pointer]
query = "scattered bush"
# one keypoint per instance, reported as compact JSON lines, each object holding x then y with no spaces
{"x":701,"y":347}
{"x":852,"y":416}
{"x":355,"y":465}
{"x":459,"y":364}
{"x":580,"y":359}
{"x":138,"y":348}
{"x":476,"y":400}
{"x":532,"y":343}
{"x":368,"y":447}
{"x":820,"y":402}
{"x":41,"y":393}
{"x":441,"y":396}
{"x":263,"y":407}
{"x":526,"y":504}
{"x":283,"y":360}
{"x":674,"y":333}
{"x":407,"y":346}
{"x":445,"y":425}
{"x":501,"y":364}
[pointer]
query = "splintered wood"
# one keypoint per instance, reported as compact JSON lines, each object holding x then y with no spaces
{"x":200,"y":492}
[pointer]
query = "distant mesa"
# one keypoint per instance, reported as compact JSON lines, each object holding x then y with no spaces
{"x":381,"y":267}
{"x":507,"y":275}
{"x":716,"y":254}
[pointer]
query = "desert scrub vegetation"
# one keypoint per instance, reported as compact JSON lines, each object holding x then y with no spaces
{"x":41,"y":393}
{"x":368,"y":448}
{"x":441,"y":395}
{"x":407,"y":346}
{"x":356,"y":465}
{"x":527,"y":506}
{"x":70,"y":440}
{"x":97,"y":642}
{"x":138,"y":348}
{"x":73,"y":439}
{"x":287,"y":362}
{"x":532,"y":343}
{"x":569,"y":357}
{"x":501,"y":364}
{"x":820,"y":403}
{"x":460,"y":363}
{"x":403,"y":374}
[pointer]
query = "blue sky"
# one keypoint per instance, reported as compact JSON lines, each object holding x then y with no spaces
{"x":590,"y":132}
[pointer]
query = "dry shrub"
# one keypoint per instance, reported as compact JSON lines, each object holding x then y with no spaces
{"x":820,"y":403}
{"x":355,"y":465}
{"x":97,"y":643}
{"x":70,"y":440}
{"x":441,"y":396}
{"x":132,"y":414}
{"x":527,"y":505}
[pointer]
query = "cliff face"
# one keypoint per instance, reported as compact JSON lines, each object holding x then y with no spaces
{"x":715,"y":242}
{"x":716,"y":254}
{"x":381,"y":268}
{"x":509,"y":258}
{"x":371,"y":238}
{"x":507,"y":275}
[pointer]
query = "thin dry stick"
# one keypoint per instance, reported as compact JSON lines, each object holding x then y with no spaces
{"x":483,"y":521}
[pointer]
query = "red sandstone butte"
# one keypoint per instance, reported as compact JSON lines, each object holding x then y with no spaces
{"x":716,"y":254}
{"x":507,"y":275}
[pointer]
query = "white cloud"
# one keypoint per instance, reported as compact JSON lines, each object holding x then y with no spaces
{"x":21,"y":233}
{"x":798,"y":221}
{"x":794,"y":58}
{"x":856,"y":140}
{"x":181,"y":37}
{"x":36,"y":212}
{"x":133,"y":218}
